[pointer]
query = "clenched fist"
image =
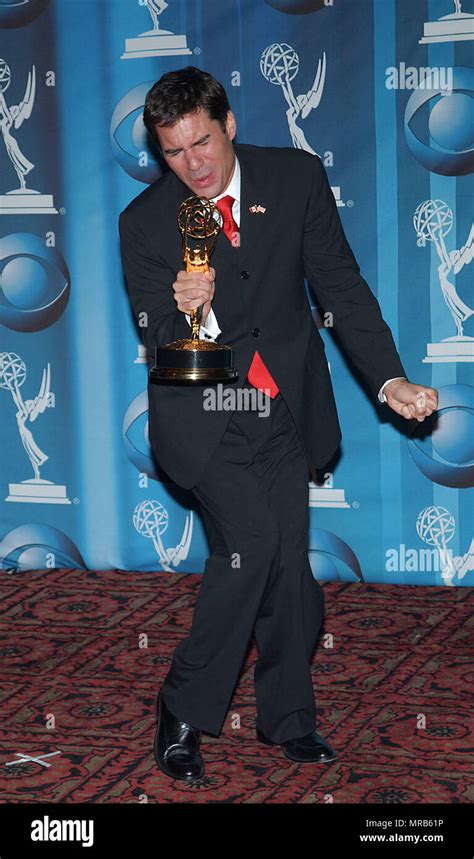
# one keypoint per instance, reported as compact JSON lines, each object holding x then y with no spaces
{"x":193,"y":289}
{"x":411,"y":400}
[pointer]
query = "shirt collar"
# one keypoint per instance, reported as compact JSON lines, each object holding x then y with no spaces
{"x":233,"y":187}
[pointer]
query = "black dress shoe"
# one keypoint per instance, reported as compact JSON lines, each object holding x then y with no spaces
{"x":176,"y":746}
{"x":308,"y":749}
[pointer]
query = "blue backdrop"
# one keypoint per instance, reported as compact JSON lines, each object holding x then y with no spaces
{"x":382,"y":91}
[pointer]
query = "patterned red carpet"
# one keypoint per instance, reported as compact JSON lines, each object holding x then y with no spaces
{"x":393,"y":693}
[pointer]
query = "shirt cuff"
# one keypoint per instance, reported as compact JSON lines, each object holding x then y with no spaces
{"x":381,"y":396}
{"x":209,"y":329}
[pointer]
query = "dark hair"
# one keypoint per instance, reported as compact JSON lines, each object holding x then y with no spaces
{"x":184,"y":91}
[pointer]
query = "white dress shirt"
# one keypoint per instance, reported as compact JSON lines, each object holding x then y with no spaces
{"x":381,"y":396}
{"x":209,"y":329}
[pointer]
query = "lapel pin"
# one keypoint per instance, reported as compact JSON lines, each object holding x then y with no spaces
{"x":257,"y":209}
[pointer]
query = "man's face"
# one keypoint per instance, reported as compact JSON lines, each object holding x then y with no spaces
{"x":200,"y":152}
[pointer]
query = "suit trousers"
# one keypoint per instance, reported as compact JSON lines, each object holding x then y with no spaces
{"x":253,"y":499}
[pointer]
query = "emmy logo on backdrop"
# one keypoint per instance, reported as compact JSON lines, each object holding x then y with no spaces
{"x":457,"y":27}
{"x":433,"y":220}
{"x":22,"y":200}
{"x":151,"y":520}
{"x":326,"y":495}
{"x":279,"y":65}
{"x":436,"y":527}
{"x":12,"y":377}
{"x":155,"y":42}
{"x":142,"y":354}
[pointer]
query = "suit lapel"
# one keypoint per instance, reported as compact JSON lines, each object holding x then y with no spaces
{"x":254,"y":191}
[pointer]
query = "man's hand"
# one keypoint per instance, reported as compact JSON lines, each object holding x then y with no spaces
{"x":410,"y":400}
{"x":191,"y":289}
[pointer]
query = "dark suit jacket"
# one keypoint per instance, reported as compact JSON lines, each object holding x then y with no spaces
{"x":260,"y":303}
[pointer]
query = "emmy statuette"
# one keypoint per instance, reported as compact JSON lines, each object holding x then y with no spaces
{"x":193,"y":360}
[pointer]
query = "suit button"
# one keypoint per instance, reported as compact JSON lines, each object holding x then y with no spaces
{"x":244,"y":275}
{"x":255,"y":332}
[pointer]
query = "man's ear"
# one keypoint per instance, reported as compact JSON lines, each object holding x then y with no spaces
{"x":157,"y":151}
{"x":231,"y":124}
{"x":156,"y":142}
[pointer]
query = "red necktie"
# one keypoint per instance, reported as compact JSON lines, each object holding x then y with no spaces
{"x":230,"y":228}
{"x":258,"y":375}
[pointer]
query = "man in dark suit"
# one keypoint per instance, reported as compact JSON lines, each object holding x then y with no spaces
{"x":249,"y":465}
